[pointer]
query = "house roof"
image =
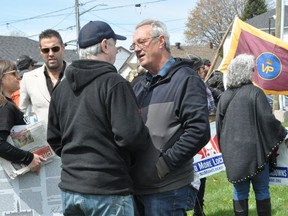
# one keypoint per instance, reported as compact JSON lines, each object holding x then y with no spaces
{"x":183,"y":52}
{"x":11,"y":47}
{"x":186,"y":50}
{"x":262,"y":21}
{"x":176,"y":51}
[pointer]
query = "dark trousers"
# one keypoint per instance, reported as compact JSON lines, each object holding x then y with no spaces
{"x":200,"y":197}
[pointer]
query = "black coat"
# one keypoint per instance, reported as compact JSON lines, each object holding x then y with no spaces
{"x":248,"y":133}
{"x":95,"y":127}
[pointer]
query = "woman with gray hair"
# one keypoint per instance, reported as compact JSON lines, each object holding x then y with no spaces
{"x":248,"y":136}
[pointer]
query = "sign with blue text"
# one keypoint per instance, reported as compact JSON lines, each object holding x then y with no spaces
{"x":209,"y":160}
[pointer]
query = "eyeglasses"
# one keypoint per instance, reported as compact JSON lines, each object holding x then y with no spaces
{"x":13,"y":72}
{"x":141,"y":43}
{"x":47,"y":50}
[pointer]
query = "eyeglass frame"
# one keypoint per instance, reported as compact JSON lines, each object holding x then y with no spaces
{"x":47,"y":50}
{"x":142,"y":43}
{"x":11,"y":72}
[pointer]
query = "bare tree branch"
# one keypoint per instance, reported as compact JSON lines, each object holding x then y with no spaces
{"x":210,"y":19}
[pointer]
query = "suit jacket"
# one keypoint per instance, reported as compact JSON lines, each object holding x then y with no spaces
{"x":34,"y":94}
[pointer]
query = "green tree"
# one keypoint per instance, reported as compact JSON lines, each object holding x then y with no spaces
{"x":253,"y":8}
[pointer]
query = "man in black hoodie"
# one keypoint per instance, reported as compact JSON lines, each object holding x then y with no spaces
{"x":95,"y":127}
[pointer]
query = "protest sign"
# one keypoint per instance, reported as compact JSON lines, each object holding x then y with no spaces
{"x":208,"y":160}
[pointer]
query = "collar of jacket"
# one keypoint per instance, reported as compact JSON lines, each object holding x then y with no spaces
{"x":152,"y":81}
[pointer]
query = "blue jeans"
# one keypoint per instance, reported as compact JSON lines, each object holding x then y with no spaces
{"x":89,"y":205}
{"x":260,"y":185}
{"x":170,"y":203}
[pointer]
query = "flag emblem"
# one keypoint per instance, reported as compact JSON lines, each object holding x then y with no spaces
{"x":268,"y":66}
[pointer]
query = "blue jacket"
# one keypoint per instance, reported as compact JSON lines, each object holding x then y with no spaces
{"x":174,"y":108}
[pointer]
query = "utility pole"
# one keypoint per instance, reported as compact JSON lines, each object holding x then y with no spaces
{"x":277,"y":34}
{"x":77,"y":16}
{"x":279,"y":113}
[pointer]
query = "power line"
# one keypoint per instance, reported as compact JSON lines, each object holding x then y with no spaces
{"x":58,"y":13}
{"x":128,"y":5}
{"x":63,"y":19}
{"x":34,"y":17}
{"x":45,"y":15}
{"x":123,"y":6}
{"x":50,"y":14}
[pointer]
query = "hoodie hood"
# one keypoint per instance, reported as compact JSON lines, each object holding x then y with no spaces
{"x":183,"y":61}
{"x":178,"y":64}
{"x":82,"y":72}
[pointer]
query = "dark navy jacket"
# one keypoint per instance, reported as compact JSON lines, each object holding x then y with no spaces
{"x":174,"y":108}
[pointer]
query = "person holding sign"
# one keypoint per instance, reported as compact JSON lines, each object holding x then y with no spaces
{"x":10,"y":115}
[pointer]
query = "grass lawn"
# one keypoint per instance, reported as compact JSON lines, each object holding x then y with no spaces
{"x":218,"y":198}
{"x":219,"y":202}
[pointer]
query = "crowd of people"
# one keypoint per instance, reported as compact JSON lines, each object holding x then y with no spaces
{"x":127,"y":148}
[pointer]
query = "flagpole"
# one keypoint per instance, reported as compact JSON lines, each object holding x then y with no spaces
{"x":218,"y":51}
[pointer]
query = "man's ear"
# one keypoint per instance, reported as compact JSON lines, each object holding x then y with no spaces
{"x":104,"y":45}
{"x":162,"y":41}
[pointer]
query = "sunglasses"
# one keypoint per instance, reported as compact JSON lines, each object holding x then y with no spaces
{"x":54,"y":49}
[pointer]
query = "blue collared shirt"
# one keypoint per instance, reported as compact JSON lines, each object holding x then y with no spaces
{"x":152,"y":79}
{"x":166,"y":67}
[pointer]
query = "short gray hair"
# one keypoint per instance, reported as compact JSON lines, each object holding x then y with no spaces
{"x":93,"y":50}
{"x":240,"y":71}
{"x":158,"y":28}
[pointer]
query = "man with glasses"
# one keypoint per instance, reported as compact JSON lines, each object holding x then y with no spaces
{"x":36,"y":86}
{"x":173,"y":104}
{"x":95,"y":127}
